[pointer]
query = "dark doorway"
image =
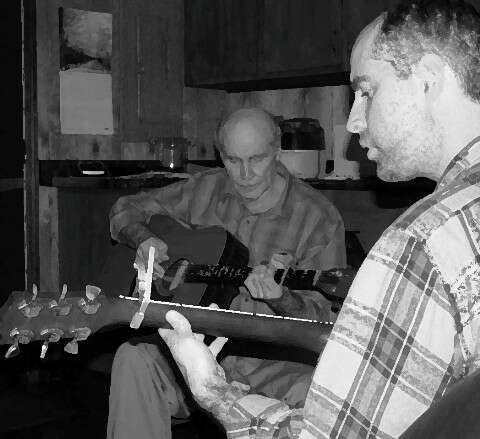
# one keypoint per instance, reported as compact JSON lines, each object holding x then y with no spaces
{"x":12,"y":260}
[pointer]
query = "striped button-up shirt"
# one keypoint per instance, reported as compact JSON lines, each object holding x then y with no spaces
{"x":408,"y":329}
{"x":303,"y":223}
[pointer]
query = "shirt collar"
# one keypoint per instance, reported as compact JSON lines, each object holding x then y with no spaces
{"x":277,"y":210}
{"x":464,"y":160}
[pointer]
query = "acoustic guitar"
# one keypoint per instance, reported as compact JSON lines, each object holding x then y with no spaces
{"x":206,"y":265}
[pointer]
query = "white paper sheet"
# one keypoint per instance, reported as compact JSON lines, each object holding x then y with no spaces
{"x":85,"y":102}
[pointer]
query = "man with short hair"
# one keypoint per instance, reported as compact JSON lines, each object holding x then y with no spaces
{"x":409,"y":327}
{"x":274,"y":215}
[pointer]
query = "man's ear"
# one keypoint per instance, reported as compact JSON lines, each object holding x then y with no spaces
{"x":430,"y":72}
{"x":278,"y":153}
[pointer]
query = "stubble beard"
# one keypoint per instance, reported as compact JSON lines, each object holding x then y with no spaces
{"x":412,"y":156}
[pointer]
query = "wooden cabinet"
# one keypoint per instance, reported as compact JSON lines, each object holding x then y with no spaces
{"x":251,"y":41}
{"x":221,"y":41}
{"x":241,"y":27}
{"x":300,"y":37}
{"x":146,"y":71}
{"x":151,"y":68}
{"x":234,"y":41}
{"x":203,"y":42}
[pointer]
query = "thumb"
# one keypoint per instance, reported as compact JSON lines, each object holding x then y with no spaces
{"x":167,"y":335}
{"x":217,"y":345}
{"x":179,"y":323}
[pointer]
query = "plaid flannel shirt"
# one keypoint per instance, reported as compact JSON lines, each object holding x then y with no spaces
{"x":408,"y":329}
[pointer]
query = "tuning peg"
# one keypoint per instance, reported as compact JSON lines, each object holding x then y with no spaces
{"x":80,"y":334}
{"x":22,"y":336}
{"x":51,"y":335}
{"x":62,"y":307}
{"x":32,"y":308}
{"x":91,"y":305}
{"x":13,"y":350}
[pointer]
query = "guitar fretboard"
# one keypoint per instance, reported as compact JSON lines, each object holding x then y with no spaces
{"x":289,"y":331}
{"x":179,"y":306}
{"x":216,"y":273}
{"x":293,"y":279}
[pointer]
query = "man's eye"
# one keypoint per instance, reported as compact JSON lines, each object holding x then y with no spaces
{"x":257,"y":159}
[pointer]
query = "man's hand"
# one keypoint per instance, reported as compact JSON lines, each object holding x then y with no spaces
{"x":196,"y":360}
{"x":141,"y":258}
{"x":260,"y":281}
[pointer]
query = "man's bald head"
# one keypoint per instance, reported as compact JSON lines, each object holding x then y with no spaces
{"x":250,"y":149}
{"x":248,"y":126}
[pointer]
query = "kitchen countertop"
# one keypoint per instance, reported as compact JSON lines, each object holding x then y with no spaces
{"x":65,"y":174}
{"x":159,"y":179}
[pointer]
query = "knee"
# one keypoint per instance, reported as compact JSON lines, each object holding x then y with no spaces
{"x":133,"y":357}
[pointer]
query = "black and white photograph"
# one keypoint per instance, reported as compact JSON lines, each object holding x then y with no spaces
{"x":242,"y":219}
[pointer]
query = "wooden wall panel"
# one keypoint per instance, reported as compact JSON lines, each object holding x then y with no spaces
{"x":48,"y":239}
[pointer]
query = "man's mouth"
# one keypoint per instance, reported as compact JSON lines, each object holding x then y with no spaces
{"x":248,"y":185}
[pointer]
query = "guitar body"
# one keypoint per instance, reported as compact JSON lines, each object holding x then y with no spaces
{"x":197,"y":245}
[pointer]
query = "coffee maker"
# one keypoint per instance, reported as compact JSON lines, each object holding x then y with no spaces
{"x":301,"y":142}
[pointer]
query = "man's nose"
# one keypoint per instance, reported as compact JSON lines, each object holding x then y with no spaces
{"x":357,"y":122}
{"x":245,"y":171}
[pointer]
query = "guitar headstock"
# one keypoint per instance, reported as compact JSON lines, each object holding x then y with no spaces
{"x":27,"y":316}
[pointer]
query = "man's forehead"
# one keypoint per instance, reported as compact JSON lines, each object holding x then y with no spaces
{"x":361,"y":57}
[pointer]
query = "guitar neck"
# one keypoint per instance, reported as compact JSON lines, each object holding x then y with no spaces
{"x":321,"y":280}
{"x":310,"y":335}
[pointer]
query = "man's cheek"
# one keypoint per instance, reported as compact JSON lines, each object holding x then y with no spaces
{"x":231,"y":171}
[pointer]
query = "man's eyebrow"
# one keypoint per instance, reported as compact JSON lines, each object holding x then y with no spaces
{"x":355,"y":83}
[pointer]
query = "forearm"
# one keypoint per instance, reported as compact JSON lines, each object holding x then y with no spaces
{"x":218,"y":397}
{"x":172,"y":200}
{"x":302,"y":304}
{"x":134,"y":234}
{"x":244,"y":415}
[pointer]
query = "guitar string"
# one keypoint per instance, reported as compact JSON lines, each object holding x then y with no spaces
{"x":230,"y":311}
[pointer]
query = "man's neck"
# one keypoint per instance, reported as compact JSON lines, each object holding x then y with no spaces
{"x":269,"y":198}
{"x":460,"y":125}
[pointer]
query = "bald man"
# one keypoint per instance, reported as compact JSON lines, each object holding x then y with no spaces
{"x":271,"y":212}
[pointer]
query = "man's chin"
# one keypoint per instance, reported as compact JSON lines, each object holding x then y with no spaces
{"x":249,"y":191}
{"x":390,"y":175}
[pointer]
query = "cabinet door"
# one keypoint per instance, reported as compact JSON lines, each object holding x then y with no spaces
{"x":300,"y":36}
{"x":150,"y":68}
{"x":242,"y":20}
{"x":204,"y":42}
